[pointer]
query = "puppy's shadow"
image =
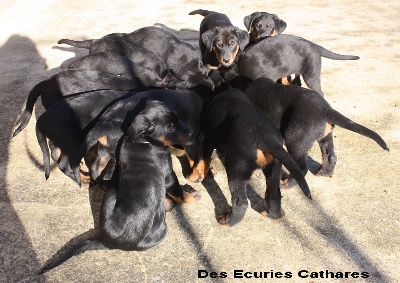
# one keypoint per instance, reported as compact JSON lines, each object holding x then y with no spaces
{"x":96,"y":195}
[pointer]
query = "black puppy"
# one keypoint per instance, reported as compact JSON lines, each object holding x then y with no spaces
{"x":189,"y":105}
{"x":115,"y":43}
{"x":66,"y":123}
{"x":132,"y":215}
{"x":263,"y":24}
{"x":220,"y":41}
{"x":182,"y":59}
{"x":115,"y":63}
{"x":72,"y":82}
{"x":280,"y":56}
{"x":303,"y":118}
{"x":247,"y":140}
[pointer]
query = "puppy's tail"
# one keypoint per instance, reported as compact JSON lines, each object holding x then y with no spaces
{"x":337,"y":118}
{"x":202,"y":12}
{"x":284,"y":157}
{"x":331,"y":55}
{"x":25,"y":116}
{"x":80,"y":44}
{"x":70,"y":250}
{"x":41,"y":137}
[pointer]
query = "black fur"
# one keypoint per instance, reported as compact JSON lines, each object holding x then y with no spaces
{"x":302,"y":117}
{"x":280,"y":56}
{"x":72,"y":82}
{"x":132,"y":215}
{"x":240,"y":132}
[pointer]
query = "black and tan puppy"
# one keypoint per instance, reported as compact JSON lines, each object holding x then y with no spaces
{"x":190,"y":106}
{"x":246,"y":140}
{"x":115,"y":63}
{"x":280,"y":56}
{"x":220,"y":41}
{"x":182,"y":59}
{"x":263,"y":24}
{"x":132,"y":215}
{"x":72,"y":82}
{"x":304,"y":117}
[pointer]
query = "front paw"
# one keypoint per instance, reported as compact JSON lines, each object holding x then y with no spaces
{"x":190,"y":195}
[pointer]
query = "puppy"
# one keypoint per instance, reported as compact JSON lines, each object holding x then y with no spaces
{"x":132,"y":215}
{"x":72,"y":82}
{"x":190,"y":106}
{"x":115,"y":43}
{"x":280,"y":56}
{"x":220,"y":41}
{"x":115,"y":63}
{"x":182,"y":59}
{"x":263,"y":24}
{"x":304,"y":117}
{"x":247,"y":140}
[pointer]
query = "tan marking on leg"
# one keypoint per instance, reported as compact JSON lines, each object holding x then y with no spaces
{"x":263,"y":158}
{"x":328,"y":129}
{"x":285,"y":80}
{"x":103,"y":140}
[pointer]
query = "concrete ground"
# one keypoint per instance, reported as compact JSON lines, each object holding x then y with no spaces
{"x":351,"y":225}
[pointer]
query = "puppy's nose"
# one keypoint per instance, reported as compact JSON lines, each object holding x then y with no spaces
{"x":226,"y":60}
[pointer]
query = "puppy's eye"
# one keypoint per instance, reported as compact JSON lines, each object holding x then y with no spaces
{"x":171,"y":127}
{"x":219,"y":45}
{"x":232,"y":43}
{"x":259,"y":25}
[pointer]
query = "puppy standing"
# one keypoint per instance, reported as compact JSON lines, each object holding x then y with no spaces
{"x":261,"y":25}
{"x":132,"y":215}
{"x":304,"y":117}
{"x":220,"y":41}
{"x":247,"y":140}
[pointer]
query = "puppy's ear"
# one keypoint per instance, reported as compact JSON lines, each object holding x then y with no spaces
{"x":102,"y":160}
{"x":280,"y":25}
{"x":139,"y":127}
{"x":207,"y":38}
{"x":248,"y":20}
{"x":243,"y":37}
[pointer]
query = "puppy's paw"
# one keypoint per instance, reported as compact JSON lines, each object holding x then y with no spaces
{"x":324,"y":172}
{"x":195,"y":177}
{"x":223,"y":218}
{"x":190,"y":195}
{"x":287,"y":183}
{"x":169,"y":204}
{"x":275,"y":215}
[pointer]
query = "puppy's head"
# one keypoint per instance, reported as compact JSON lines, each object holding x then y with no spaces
{"x":158,"y":125}
{"x":225,"y":42}
{"x":262,"y":24}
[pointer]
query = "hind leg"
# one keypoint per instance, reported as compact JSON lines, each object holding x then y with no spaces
{"x":312,"y":75}
{"x":328,"y":156}
{"x":238,"y":177}
{"x":272,"y":200}
{"x":298,"y":150}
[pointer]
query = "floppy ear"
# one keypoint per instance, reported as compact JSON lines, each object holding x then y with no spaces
{"x":248,"y":20}
{"x":139,"y":127}
{"x":280,"y":25}
{"x":207,"y":38}
{"x":243,"y":36}
{"x":102,"y":161}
